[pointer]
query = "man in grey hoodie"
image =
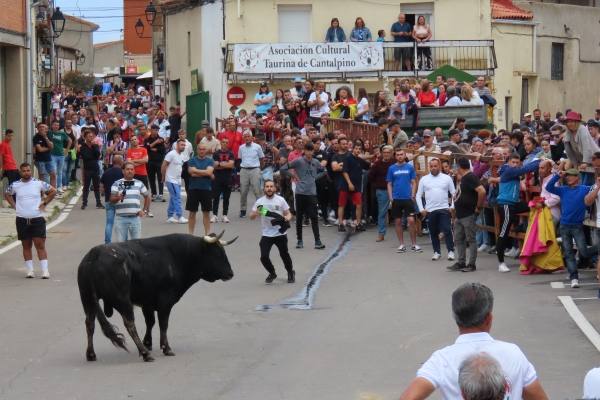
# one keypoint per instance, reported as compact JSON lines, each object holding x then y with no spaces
{"x":308,"y":170}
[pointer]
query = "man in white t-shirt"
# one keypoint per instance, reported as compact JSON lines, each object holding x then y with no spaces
{"x":31,"y":197}
{"x":275,"y":216}
{"x":171,"y":174}
{"x":472,"y":305}
{"x":318,"y":103}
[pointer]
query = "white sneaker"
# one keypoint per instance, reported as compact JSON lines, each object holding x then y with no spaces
{"x":214,"y":219}
{"x":401,"y":249}
{"x":416,"y":248}
{"x":451,"y":256}
{"x":503,"y":268}
{"x":482,"y":248}
{"x":45,"y":275}
{"x":182,"y":220}
{"x":574,"y":283}
{"x":172,"y":220}
{"x":436,"y":256}
{"x":30,"y":274}
{"x":225,"y":219}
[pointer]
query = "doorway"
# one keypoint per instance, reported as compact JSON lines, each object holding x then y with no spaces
{"x":413,"y":11}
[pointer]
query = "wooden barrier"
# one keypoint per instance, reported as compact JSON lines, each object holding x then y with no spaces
{"x":355,"y":130}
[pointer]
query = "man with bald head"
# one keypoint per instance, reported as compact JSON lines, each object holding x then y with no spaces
{"x":402,"y":33}
{"x":200,"y":168}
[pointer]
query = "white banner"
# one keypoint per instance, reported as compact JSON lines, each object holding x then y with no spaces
{"x":272,"y":58}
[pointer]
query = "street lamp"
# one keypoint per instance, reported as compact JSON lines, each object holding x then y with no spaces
{"x":80,"y":57}
{"x":58,"y":22}
{"x":150,"y":13}
{"x":139,"y":28}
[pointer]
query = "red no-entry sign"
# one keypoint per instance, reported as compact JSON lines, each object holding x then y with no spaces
{"x":236,"y":96}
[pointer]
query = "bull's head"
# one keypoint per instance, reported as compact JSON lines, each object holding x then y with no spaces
{"x":214,"y":239}
{"x":215,"y":259}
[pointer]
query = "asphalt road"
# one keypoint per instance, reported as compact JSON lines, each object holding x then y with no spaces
{"x":376,"y":317}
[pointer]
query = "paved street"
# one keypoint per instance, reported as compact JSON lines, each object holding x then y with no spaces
{"x":377,"y":316}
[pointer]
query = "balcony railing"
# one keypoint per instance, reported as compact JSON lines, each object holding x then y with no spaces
{"x":476,"y":57}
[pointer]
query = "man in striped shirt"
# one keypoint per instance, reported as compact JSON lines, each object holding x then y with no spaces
{"x":126,"y":194}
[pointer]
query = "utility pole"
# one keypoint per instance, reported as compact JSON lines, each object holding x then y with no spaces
{"x":30,"y":99}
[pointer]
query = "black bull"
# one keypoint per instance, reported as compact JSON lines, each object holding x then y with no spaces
{"x":151,"y":273}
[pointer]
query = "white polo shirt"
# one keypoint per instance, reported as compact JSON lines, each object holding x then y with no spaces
{"x":442,"y":367}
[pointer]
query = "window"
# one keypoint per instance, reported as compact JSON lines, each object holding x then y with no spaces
{"x":295,"y":24}
{"x":557,"y":61}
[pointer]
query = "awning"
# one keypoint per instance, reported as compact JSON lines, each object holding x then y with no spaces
{"x":451,"y":72}
{"x":145,"y":75}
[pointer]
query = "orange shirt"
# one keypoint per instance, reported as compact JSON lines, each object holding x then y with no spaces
{"x":8,"y":161}
{"x":137,"y":154}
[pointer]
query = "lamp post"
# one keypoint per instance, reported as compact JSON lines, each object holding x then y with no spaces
{"x":150,"y":13}
{"x":58,"y":22}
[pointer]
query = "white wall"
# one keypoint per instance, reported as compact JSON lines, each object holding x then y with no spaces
{"x":212,"y":58}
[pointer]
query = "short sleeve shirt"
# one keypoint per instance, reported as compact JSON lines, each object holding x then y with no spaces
{"x":137,"y":154}
{"x":404,"y":27}
{"x":401,"y":176}
{"x":173,"y":173}
{"x":250,"y":155}
{"x":276,"y":204}
{"x":200,"y":182}
{"x":466,"y":196}
{"x":134,"y":190}
{"x":60,"y":140}
{"x":316,"y":111}
{"x":43,"y":156}
{"x":28,"y":197}
{"x":263,"y":108}
{"x":8,"y":161}
{"x":441,"y":370}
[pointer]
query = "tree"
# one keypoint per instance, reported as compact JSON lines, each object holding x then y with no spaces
{"x":78,"y":81}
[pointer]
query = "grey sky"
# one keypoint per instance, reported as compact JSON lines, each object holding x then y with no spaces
{"x":108,"y":14}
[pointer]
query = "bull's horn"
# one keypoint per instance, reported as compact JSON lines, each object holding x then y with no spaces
{"x":220,"y":235}
{"x":210,"y":239}
{"x":227,"y":243}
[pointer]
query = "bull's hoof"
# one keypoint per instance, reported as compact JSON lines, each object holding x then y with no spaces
{"x":168,"y":352}
{"x":148,"y":357}
{"x":148,"y":344}
{"x":90,"y":356}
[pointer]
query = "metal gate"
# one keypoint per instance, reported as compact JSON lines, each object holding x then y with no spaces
{"x":197,"y":110}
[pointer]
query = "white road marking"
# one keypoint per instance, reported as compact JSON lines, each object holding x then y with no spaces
{"x":583,"y":324}
{"x":63,"y":215}
{"x":557,"y":285}
{"x":585,"y":298}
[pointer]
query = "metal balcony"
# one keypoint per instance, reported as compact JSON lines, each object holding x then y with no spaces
{"x":476,"y":57}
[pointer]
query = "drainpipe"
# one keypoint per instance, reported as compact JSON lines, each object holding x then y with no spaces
{"x":29,"y":72}
{"x":534,"y":47}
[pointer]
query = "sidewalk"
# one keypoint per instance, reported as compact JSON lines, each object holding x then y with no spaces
{"x":8,"y":231}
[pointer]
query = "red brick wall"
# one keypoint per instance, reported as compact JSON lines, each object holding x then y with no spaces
{"x":14,"y":20}
{"x":134,"y":9}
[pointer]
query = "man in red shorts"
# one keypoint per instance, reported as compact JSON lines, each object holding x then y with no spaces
{"x":352,"y":185}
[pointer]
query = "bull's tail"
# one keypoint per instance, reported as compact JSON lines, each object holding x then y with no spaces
{"x":109,"y":330}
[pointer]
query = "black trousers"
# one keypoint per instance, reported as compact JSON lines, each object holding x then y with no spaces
{"x":94,"y":178}
{"x":221,"y":187}
{"x":266,"y":243}
{"x":323,"y":196}
{"x":508,"y":218}
{"x":154,"y":173}
{"x":307,"y":205}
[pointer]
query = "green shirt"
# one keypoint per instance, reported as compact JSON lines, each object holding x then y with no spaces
{"x":60,"y":140}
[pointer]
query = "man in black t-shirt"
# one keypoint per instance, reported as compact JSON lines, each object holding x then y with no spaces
{"x":337,"y":168}
{"x":224,"y":164}
{"x":89,"y":154}
{"x":42,"y":147}
{"x":468,"y":202}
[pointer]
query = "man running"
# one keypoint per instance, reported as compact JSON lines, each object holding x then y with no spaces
{"x":32,"y":196}
{"x":401,"y":179}
{"x":275,"y":216}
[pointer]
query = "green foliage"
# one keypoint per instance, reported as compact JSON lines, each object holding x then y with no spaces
{"x":78,"y":81}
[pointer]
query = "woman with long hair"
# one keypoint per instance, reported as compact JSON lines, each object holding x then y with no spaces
{"x":279,"y":98}
{"x":381,"y":107}
{"x":335,"y":33}
{"x":426,"y":97}
{"x":360,"y":33}
{"x":469,"y":96}
{"x":362,"y":108}
{"x":263,"y":100}
{"x":344,"y":105}
{"x":421,"y":34}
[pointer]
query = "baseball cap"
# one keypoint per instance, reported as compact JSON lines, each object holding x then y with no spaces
{"x":527,"y":115}
{"x":572,"y":172}
{"x":205,"y":123}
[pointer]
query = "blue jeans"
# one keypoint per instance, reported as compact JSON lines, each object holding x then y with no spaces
{"x":45,"y":168}
{"x":568,"y":233}
{"x":383,"y":204}
{"x":59,"y":162}
{"x":110,"y":221}
{"x":439,"y":221}
{"x":481,"y":237}
{"x":128,"y":228}
{"x":174,"y":208}
{"x":68,"y":167}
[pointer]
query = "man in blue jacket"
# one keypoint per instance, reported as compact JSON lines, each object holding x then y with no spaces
{"x":509,"y":204}
{"x":572,"y":207}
